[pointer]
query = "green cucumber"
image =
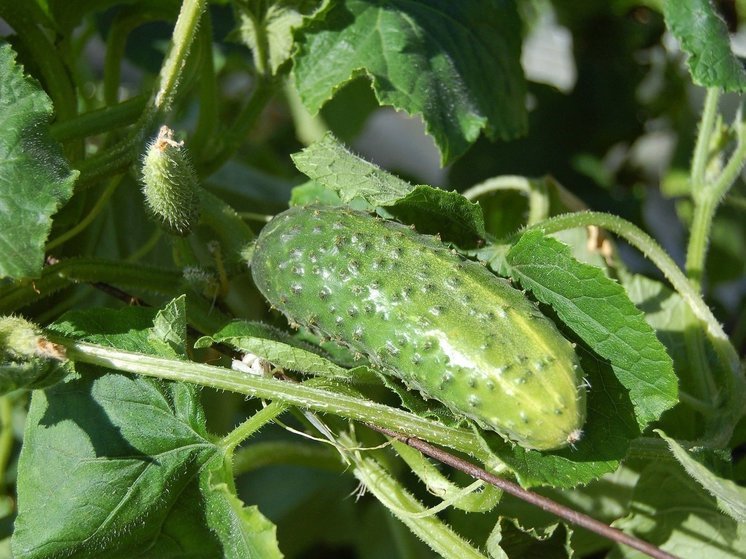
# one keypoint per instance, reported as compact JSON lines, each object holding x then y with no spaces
{"x":444,"y":325}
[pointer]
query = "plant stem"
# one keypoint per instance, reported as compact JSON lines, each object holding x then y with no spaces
{"x":86,"y":221}
{"x":309,"y":455}
{"x":88,"y":270}
{"x":183,"y":35}
{"x":720,"y":428}
{"x":561,"y":511}
{"x":6,"y":437}
{"x":107,"y":163}
{"x":100,"y":120}
{"x":46,"y":57}
{"x":431,"y":530}
{"x":706,"y":199}
{"x":269,"y":388}
{"x":702,"y":148}
{"x":100,"y":273}
{"x":207,"y":122}
{"x":126,"y":20}
{"x":120,"y":156}
{"x":252,"y":425}
{"x":236,"y":134}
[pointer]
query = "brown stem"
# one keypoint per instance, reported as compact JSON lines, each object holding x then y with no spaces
{"x":563,"y":512}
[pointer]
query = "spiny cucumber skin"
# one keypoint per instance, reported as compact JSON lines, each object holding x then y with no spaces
{"x":444,"y":325}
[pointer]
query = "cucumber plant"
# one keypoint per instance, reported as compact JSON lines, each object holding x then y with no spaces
{"x":442,"y":351}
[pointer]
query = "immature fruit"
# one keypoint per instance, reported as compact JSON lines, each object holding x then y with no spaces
{"x":444,"y":325}
{"x":170,"y":184}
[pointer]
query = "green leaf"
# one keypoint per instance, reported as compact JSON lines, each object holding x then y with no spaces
{"x":277,"y":347}
{"x":313,"y":193}
{"x":365,"y":186}
{"x":332,"y":165}
{"x":457,"y":64}
{"x":672,"y":319}
{"x":117,"y":466}
{"x":509,"y":539}
{"x":731,"y":498}
{"x":704,"y":37}
{"x":669,"y":509}
{"x":267,"y":28}
{"x":599,"y":311}
{"x":35,"y":178}
{"x":446,"y":213}
{"x":244,"y":531}
{"x":169,"y":331}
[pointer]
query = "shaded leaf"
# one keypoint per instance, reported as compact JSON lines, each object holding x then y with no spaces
{"x":669,"y":509}
{"x":169,"y":331}
{"x":457,"y":64}
{"x":447,"y":213}
{"x":332,"y":165}
{"x":678,"y":329}
{"x":509,"y":539}
{"x":704,"y":37}
{"x":312,"y":193}
{"x":35,"y":178}
{"x":731,"y":498}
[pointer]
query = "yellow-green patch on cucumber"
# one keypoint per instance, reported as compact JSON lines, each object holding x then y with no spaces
{"x":446,"y":326}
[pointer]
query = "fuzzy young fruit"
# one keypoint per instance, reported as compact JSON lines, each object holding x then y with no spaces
{"x":170,"y":184}
{"x":444,"y":325}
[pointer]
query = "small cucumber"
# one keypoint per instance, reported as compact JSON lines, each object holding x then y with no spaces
{"x":444,"y":325}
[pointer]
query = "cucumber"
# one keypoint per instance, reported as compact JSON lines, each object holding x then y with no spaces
{"x":444,"y":325}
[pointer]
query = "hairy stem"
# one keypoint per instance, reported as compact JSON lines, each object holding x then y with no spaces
{"x":100,"y":120}
{"x":431,"y":530}
{"x":546,"y":504}
{"x":6,"y":437}
{"x":702,"y":148}
{"x":252,"y":425}
{"x":310,"y":455}
{"x":707,"y":197}
{"x":100,"y":204}
{"x":304,"y":396}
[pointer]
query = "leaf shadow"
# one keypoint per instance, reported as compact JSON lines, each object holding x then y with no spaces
{"x":75,"y":401}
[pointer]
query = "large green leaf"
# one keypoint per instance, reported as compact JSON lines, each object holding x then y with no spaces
{"x":457,"y":64}
{"x":35,"y":178}
{"x":119,"y":466}
{"x":704,"y":37}
{"x":677,"y":328}
{"x":669,"y":509}
{"x":599,"y":311}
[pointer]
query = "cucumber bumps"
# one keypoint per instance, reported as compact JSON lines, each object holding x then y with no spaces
{"x":444,"y":325}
